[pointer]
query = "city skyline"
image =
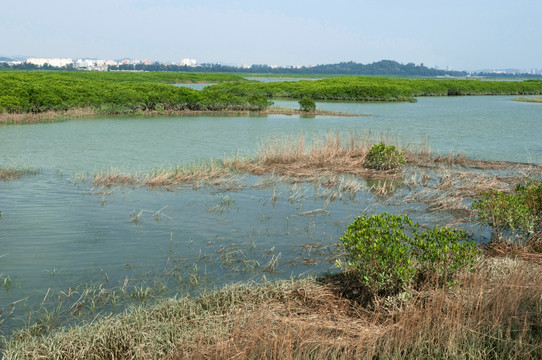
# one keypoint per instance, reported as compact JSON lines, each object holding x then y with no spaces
{"x":465,"y":35}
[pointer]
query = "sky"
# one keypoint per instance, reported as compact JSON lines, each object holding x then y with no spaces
{"x":460,"y":34}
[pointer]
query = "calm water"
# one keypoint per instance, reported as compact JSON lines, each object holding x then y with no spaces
{"x":57,"y":232}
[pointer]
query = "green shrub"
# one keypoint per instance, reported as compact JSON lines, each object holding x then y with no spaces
{"x":531,"y":192}
{"x":307,"y":104}
{"x":512,"y":216}
{"x":259,"y":102}
{"x":441,"y":252}
{"x":383,"y":157}
{"x":391,"y":254}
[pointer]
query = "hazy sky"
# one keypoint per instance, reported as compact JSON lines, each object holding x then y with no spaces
{"x":466,"y":35}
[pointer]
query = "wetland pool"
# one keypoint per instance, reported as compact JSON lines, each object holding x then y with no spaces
{"x":63,"y":241}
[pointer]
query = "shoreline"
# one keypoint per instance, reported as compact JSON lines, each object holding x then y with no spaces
{"x":535,"y":99}
{"x":78,"y":113}
{"x":316,"y":318}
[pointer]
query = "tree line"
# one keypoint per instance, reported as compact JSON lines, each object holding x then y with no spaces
{"x":368,"y":88}
{"x":35,"y":92}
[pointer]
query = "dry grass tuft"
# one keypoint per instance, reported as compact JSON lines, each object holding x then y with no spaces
{"x":11,"y":173}
{"x":331,"y":155}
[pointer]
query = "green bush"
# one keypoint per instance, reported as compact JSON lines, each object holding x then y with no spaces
{"x":391,"y":254}
{"x":531,"y":192}
{"x":259,"y":102}
{"x":307,"y":104}
{"x":384,"y":157}
{"x":512,"y":216}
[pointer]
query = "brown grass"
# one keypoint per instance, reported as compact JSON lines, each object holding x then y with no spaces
{"x":534,"y":99}
{"x":290,"y":157}
{"x":12,"y":173}
{"x":59,"y":115}
{"x":47,"y":116}
{"x":494,"y":313}
{"x":452,"y":186}
{"x":323,"y":156}
{"x":317,"y":112}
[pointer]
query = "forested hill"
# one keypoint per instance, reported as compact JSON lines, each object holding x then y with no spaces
{"x":383,"y":67}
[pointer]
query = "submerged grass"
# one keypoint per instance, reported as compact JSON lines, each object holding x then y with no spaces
{"x":11,"y":173}
{"x":443,"y":183}
{"x":493,"y":313}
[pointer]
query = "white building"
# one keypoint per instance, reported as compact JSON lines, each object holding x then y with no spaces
{"x":188,"y":62}
{"x":55,"y":62}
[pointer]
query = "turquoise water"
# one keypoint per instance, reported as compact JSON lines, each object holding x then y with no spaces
{"x":58,"y":232}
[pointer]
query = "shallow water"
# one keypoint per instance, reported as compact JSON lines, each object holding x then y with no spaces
{"x":57,"y":232}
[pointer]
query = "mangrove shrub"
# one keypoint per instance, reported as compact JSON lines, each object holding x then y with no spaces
{"x":307,"y":104}
{"x":513,"y":216}
{"x":112,"y":93}
{"x":384,"y":157}
{"x":390,"y":253}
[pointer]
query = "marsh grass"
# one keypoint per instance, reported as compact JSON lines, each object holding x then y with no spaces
{"x":46,"y":116}
{"x":291,"y":157}
{"x":494,"y":313}
{"x":334,"y":163}
{"x":533,"y":99}
{"x":452,"y":187}
{"x":296,"y":158}
{"x":12,"y":173}
{"x":9,"y":118}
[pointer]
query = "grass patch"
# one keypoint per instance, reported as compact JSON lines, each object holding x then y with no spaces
{"x":533,"y":99}
{"x":11,"y":173}
{"x":494,"y":313}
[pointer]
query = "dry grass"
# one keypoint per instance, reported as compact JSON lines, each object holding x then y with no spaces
{"x":332,"y":154}
{"x":494,"y":313}
{"x":197,"y":174}
{"x":448,"y":184}
{"x":290,"y":157}
{"x":47,"y":116}
{"x":11,"y":173}
{"x":317,"y":112}
{"x":59,"y":115}
{"x":533,"y":99}
{"x":451,"y":187}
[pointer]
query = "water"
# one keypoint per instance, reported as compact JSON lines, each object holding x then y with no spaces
{"x":57,"y":232}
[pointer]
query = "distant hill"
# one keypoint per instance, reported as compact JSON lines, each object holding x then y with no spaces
{"x":383,"y":67}
{"x":5,"y":59}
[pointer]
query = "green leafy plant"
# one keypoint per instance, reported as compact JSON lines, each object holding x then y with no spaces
{"x":391,"y":254}
{"x":259,"y":102}
{"x":531,"y":192}
{"x":384,"y":157}
{"x":441,"y":252}
{"x":307,"y":104}
{"x":512,"y":216}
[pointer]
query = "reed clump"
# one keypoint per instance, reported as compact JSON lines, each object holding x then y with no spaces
{"x":11,"y":173}
{"x":332,"y":154}
{"x":493,"y":313}
{"x":196,"y":174}
{"x":294,"y":157}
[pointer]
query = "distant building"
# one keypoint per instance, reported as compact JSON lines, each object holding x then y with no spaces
{"x":188,"y":62}
{"x":51,"y":62}
{"x":147,"y":62}
{"x":93,"y":64}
